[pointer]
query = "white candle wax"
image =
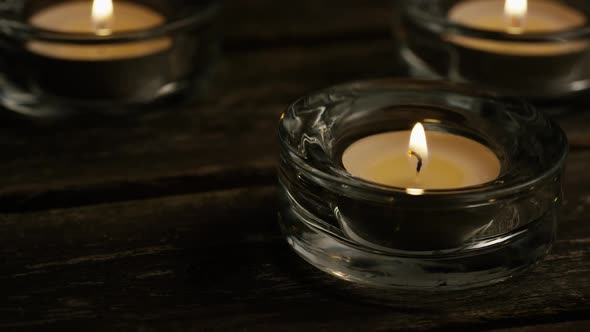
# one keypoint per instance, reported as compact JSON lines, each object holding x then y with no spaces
{"x":541,"y":16}
{"x":75,"y":17}
{"x":453,"y":161}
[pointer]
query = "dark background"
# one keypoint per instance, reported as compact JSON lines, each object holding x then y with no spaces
{"x":167,"y":220}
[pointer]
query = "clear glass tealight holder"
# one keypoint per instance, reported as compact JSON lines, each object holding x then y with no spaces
{"x":61,"y":58}
{"x":440,"y":239}
{"x":546,"y":59}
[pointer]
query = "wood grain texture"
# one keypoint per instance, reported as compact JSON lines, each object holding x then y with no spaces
{"x":577,"y":127}
{"x":166,"y":221}
{"x":263,"y":23}
{"x":216,"y":260}
{"x":227,"y":139}
{"x":556,"y":327}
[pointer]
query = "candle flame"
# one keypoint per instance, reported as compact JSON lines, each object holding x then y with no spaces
{"x":102,"y":16}
{"x":515,"y":12}
{"x":418,"y":148}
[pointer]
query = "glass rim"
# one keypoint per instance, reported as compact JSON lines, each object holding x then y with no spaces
{"x":26,"y":31}
{"x":442,"y":25}
{"x":482,"y":194}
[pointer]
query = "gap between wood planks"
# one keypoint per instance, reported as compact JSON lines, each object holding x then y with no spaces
{"x":258,"y":24}
{"x":219,"y":174}
{"x":240,"y":46}
{"x":214,"y":179}
{"x":206,"y":179}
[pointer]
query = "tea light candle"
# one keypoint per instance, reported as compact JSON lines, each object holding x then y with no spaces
{"x":102,"y":72}
{"x":401,"y":234}
{"x":533,"y":49}
{"x":417,"y":161}
{"x":102,"y":18}
{"x":517,"y":17}
{"x":69,"y":58}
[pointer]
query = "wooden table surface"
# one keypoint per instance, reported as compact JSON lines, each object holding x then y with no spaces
{"x":166,"y":221}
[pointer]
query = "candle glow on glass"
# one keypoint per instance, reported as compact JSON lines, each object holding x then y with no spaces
{"x":515,"y":12}
{"x":518,"y":17}
{"x":448,"y":160}
{"x":102,"y":16}
{"x":98,"y":18}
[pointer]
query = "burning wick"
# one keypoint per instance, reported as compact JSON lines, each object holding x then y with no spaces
{"x":102,"y":16}
{"x":515,"y":12}
{"x":417,"y":156}
{"x":515,"y":24}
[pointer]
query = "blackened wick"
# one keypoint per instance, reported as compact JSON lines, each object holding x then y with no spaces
{"x":417,"y":156}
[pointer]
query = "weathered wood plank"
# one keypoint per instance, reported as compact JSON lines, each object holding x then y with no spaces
{"x":256,"y":23}
{"x":216,"y":260}
{"x":557,"y":327}
{"x":229,"y":138}
{"x":577,"y":126}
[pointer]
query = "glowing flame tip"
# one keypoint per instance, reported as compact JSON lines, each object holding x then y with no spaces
{"x":102,"y":16}
{"x":515,"y":12}
{"x":418,"y":145}
{"x":515,"y":7}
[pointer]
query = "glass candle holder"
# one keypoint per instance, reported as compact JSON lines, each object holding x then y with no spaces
{"x":546,"y":59}
{"x":60,"y":57}
{"x":432,"y":239}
